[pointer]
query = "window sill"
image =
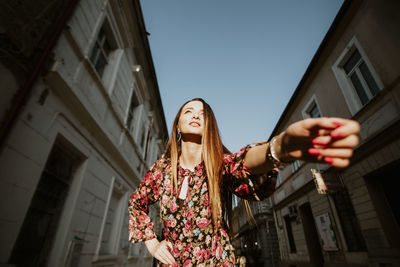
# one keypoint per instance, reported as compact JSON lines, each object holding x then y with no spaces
{"x":369,"y":104}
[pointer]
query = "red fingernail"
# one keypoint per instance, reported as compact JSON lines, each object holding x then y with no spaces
{"x":337,"y":124}
{"x":328,"y":160}
{"x":314,"y":151}
{"x":319,"y":143}
{"x":336,"y":135}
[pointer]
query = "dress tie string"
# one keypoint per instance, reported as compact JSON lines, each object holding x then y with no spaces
{"x":184,"y":188}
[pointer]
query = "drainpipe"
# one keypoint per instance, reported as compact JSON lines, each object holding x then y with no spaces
{"x":24,"y":92}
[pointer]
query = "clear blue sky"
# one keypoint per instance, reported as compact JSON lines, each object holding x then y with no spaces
{"x":245,"y":58}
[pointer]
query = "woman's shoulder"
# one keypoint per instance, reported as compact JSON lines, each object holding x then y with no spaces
{"x":161,"y":163}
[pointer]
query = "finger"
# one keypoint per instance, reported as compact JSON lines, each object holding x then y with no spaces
{"x":167,"y":255}
{"x":324,"y":132}
{"x":351,"y":127}
{"x":337,"y":162}
{"x":349,"y":141}
{"x":167,"y":246}
{"x":321,"y":140}
{"x":161,"y":256}
{"x":336,"y":127}
{"x":331,"y":152}
{"x":323,"y":122}
{"x":154,"y":249}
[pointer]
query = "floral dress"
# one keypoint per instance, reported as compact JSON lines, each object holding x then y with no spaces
{"x":187,"y":224}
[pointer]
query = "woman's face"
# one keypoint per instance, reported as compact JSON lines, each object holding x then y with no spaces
{"x":191,"y":120}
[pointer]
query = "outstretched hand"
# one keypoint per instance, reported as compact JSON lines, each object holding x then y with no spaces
{"x":328,"y":140}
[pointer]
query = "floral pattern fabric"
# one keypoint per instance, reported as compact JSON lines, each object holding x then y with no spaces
{"x":187,"y":223}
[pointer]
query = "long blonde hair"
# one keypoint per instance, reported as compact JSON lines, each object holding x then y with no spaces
{"x":212,"y":154}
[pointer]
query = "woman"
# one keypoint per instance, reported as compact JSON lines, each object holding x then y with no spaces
{"x":191,"y":177}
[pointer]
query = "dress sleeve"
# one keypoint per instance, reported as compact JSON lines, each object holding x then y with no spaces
{"x":238,"y":179}
{"x":141,"y":228}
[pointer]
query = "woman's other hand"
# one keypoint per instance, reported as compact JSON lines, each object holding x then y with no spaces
{"x":159,"y":250}
{"x":328,"y":140}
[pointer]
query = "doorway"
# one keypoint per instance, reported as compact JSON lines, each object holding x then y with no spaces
{"x":38,"y":230}
{"x":386,"y":199}
{"x":311,"y":235}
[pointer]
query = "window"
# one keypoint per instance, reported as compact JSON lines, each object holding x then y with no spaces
{"x":348,"y":219}
{"x":132,"y":108}
{"x":312,"y":110}
{"x":265,"y":205}
{"x":111,"y":214}
{"x":144,"y":132}
{"x":279,"y":179}
{"x":289,"y":232}
{"x":124,"y":244}
{"x":361,"y":78}
{"x":296,"y":165}
{"x":113,"y":222}
{"x":102,"y":48}
{"x":235,"y":201}
{"x":148,"y":145}
{"x":356,"y":76}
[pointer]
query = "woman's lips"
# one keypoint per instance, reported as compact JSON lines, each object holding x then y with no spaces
{"x":194,"y":124}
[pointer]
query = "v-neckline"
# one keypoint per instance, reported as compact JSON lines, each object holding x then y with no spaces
{"x":196,"y":167}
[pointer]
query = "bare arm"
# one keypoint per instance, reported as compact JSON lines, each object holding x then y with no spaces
{"x":256,"y":161}
{"x":328,"y":140}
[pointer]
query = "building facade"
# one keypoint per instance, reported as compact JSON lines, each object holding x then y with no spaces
{"x":255,"y":238}
{"x":353,"y":218}
{"x":82,"y":121}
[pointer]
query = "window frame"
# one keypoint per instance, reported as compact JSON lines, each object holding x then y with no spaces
{"x":131,"y":116}
{"x":351,"y":97}
{"x":289,"y":234}
{"x":117,"y":223}
{"x":296,"y":165}
{"x":108,"y":38}
{"x":235,"y":201}
{"x":148,"y":143}
{"x":306,"y":112}
{"x":279,"y":179}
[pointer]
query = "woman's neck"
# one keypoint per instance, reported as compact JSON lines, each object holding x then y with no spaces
{"x":190,"y":155}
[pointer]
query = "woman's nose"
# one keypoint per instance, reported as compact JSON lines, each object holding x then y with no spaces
{"x":196,"y":115}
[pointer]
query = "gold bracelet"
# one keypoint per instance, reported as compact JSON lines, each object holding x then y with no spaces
{"x":271,"y":155}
